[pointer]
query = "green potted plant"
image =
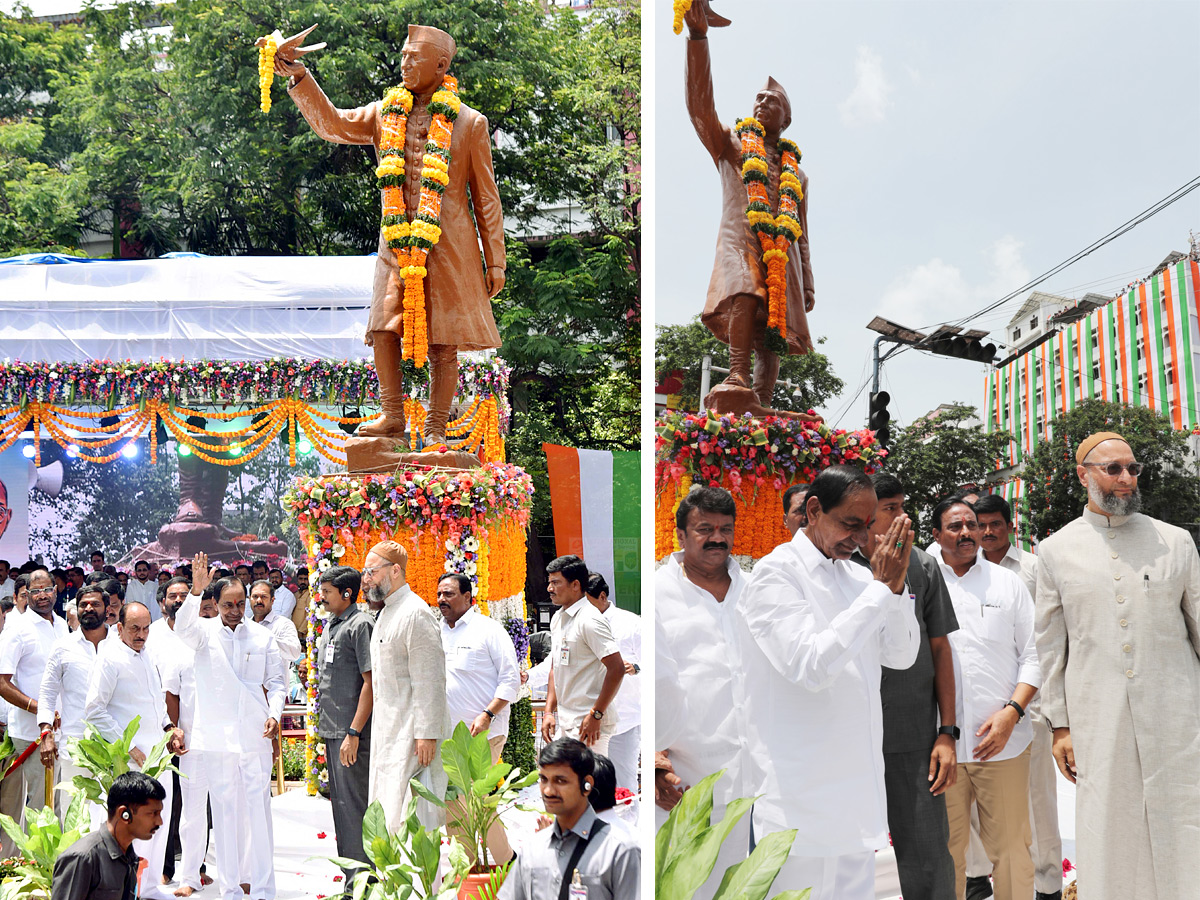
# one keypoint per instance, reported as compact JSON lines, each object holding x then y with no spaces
{"x":483,"y":790}
{"x":403,"y":865}
{"x":39,"y":849}
{"x":686,"y":848}
{"x":108,"y":760}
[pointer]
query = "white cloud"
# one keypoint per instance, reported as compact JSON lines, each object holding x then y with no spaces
{"x":937,"y":291}
{"x":869,"y":100}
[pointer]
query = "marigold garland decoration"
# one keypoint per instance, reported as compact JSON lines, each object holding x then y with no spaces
{"x":412,"y":241}
{"x":679,"y":9}
{"x":756,"y":460}
{"x":266,"y":68}
{"x":448,"y":520}
{"x":776,"y":233}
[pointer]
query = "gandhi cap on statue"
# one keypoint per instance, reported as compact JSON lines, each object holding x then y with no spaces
{"x":426,"y":34}
{"x":774,"y":87}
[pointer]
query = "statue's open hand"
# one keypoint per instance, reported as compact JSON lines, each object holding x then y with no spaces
{"x":289,"y":52}
{"x":700,"y":16}
{"x":495,"y":282}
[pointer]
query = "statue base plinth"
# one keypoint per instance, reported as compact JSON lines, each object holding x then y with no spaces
{"x":183,"y":540}
{"x":735,"y":400}
{"x":387,"y":454}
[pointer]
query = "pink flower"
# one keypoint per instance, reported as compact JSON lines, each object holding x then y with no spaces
{"x":320,"y":835}
{"x":1068,"y":866}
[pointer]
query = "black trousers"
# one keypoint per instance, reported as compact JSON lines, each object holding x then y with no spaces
{"x":920,"y":830}
{"x":348,"y":794}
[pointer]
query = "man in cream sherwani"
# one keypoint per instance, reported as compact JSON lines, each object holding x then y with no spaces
{"x":1118,"y":638}
{"x":237,"y":714}
{"x":409,"y":669}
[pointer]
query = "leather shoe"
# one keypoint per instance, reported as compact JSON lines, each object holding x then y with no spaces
{"x":1038,"y":895}
{"x":978,"y":887}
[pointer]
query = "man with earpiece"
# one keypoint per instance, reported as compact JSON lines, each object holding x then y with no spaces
{"x":344,"y":682}
{"x":580,"y":855}
{"x":103,"y":863}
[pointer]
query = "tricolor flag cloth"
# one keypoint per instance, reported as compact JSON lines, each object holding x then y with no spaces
{"x":596,"y":502}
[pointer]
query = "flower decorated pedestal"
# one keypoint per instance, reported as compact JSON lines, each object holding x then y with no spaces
{"x":470,"y":521}
{"x":756,"y":460}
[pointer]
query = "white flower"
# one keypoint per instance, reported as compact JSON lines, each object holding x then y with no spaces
{"x":449,"y":566}
{"x":324,"y":564}
{"x":471,"y":569}
{"x":316,"y":548}
{"x":451,"y":545}
{"x":471,"y":544}
{"x":338,"y":551}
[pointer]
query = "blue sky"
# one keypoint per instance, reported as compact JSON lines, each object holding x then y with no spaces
{"x":954,"y":151}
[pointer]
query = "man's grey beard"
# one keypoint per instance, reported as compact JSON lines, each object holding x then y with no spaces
{"x":1112,"y":505}
{"x":377,"y":593}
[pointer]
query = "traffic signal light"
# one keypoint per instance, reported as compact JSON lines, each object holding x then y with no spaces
{"x":878,"y":417}
{"x":963,"y":347}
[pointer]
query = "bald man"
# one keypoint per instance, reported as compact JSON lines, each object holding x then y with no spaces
{"x":1118,"y":638}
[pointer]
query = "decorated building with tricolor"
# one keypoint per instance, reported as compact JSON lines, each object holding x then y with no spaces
{"x":1139,"y":347}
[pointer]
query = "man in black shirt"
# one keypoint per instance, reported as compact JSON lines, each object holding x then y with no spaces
{"x":103,"y":863}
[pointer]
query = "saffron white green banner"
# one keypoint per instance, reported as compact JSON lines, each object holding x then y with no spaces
{"x":596,"y":502}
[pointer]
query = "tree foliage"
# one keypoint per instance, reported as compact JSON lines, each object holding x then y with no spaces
{"x":1169,"y":485}
{"x":681,"y":348}
{"x":935,"y":456}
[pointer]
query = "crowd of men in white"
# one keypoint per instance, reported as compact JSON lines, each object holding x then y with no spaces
{"x":863,"y":689}
{"x":214,"y":680}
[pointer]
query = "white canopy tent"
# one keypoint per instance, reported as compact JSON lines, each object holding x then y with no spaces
{"x":184,"y":307}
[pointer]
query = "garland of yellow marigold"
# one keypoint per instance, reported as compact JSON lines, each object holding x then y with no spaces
{"x":679,"y":9}
{"x":412,"y":241}
{"x":266,"y":69}
{"x":776,"y":233}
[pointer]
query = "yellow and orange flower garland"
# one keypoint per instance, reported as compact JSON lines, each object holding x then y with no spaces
{"x":473,"y":522}
{"x":266,"y":68}
{"x":412,"y":241}
{"x":756,"y":460}
{"x":679,"y":9}
{"x":776,"y":232}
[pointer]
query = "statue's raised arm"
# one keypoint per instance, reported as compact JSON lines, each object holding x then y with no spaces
{"x":698,"y":77}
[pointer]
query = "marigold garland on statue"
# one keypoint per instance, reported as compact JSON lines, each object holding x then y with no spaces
{"x":411,"y":241}
{"x":679,"y":9}
{"x":775,"y":232}
{"x":266,"y":68}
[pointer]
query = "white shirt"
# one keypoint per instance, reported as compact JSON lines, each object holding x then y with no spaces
{"x":1022,"y":564}
{"x":698,"y":637}
{"x":144,"y":593}
{"x":23,"y":655}
{"x":627,"y":630}
{"x":481,"y":666}
{"x":125,"y":685}
{"x":179,"y":678}
{"x":539,"y":679}
{"x":285,"y":601}
{"x":65,"y":682}
{"x":579,"y":639}
{"x":993,"y":651}
{"x":234,"y":665}
{"x":7,"y":587}
{"x":163,"y":645}
{"x":287,"y":639}
{"x":822,"y":629}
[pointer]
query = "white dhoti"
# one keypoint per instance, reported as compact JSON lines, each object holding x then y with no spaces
{"x":193,"y":821}
{"x":624,"y":750}
{"x":240,"y":790}
{"x":849,"y":877}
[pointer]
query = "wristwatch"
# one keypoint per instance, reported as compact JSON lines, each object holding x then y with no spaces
{"x":1017,"y":706}
{"x":636,"y":669}
{"x":490,"y":714}
{"x":951,"y":730}
{"x":597,"y":714}
{"x":354,"y":732}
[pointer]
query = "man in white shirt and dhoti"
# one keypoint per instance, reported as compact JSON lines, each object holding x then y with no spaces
{"x":237,"y":714}
{"x":1118,"y":637}
{"x":262,"y":604}
{"x":482,"y":679}
{"x":822,"y":627}
{"x":65,"y":686}
{"x":624,"y":748}
{"x":702,"y":711}
{"x":124,"y":685}
{"x":408,"y":666}
{"x":143,"y":589}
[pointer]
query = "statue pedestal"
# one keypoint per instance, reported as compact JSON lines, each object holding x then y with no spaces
{"x":183,"y":540}
{"x":387,"y":454}
{"x":735,"y":400}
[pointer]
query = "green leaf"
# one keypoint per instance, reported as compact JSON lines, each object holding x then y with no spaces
{"x":374,"y":824}
{"x":424,"y":793}
{"x":13,"y":830}
{"x":694,"y":860}
{"x":793,"y":895}
{"x":689,"y":817}
{"x":751,"y":878}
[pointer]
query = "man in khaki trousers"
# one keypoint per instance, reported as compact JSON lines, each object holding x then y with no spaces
{"x":996,"y":677}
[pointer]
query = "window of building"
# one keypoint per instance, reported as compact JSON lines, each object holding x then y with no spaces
{"x":1033,"y":323}
{"x":1016,"y":334}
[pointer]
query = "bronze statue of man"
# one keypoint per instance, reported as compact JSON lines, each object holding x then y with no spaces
{"x":736,"y":307}
{"x":458,"y":290}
